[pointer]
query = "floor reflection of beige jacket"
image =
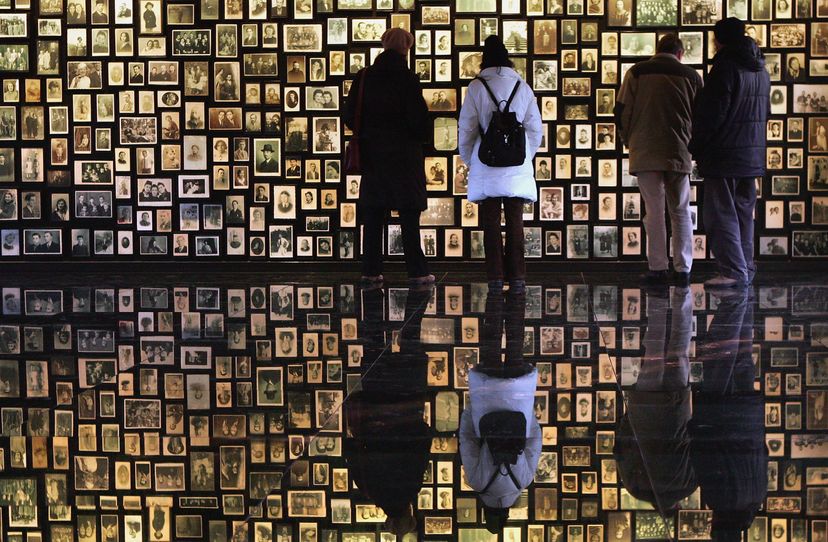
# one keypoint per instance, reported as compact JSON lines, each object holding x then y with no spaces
{"x":654,"y":112}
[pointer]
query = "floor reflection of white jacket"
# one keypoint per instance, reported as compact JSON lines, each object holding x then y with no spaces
{"x":489,"y":394}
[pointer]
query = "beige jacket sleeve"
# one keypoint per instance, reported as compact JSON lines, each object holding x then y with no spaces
{"x":625,"y":104}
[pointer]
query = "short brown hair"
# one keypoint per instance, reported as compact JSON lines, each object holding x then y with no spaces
{"x":670,"y":43}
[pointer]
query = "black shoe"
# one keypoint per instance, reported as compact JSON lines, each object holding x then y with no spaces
{"x":681,"y":279}
{"x":654,"y":277}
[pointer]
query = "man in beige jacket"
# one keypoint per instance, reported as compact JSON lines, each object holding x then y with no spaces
{"x":653,"y":113}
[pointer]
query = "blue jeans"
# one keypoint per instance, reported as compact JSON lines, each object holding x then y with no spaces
{"x":728,"y":220}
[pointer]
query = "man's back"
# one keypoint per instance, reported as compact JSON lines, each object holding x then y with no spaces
{"x":654,"y":112}
{"x":730,"y":116}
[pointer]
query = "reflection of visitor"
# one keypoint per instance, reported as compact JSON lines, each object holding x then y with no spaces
{"x":500,"y":437}
{"x":389,"y":448}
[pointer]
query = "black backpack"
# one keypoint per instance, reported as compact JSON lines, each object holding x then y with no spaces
{"x":503,"y":144}
{"x":505,"y":433}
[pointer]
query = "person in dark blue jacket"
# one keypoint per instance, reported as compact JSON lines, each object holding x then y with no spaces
{"x":727,"y":431}
{"x":729,"y":143}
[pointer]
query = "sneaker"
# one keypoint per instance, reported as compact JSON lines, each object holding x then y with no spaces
{"x":517,"y":286}
{"x":720,"y":281}
{"x":495,"y":286}
{"x":654,"y":277}
{"x":681,"y":278}
{"x":424,"y":280}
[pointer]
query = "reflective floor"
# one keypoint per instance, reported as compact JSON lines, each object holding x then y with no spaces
{"x":253,"y":408}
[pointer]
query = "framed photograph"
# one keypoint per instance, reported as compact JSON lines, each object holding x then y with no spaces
{"x":268,"y":153}
{"x":306,"y":504}
{"x":476,"y":6}
{"x":269,"y":386}
{"x":302,"y":38}
{"x":42,"y":241}
{"x":818,"y":134}
{"x":93,"y":172}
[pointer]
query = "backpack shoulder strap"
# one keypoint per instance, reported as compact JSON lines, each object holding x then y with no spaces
{"x":494,"y":477}
{"x":498,"y":473}
{"x":512,"y":95}
{"x":512,"y":476}
{"x":489,"y":90}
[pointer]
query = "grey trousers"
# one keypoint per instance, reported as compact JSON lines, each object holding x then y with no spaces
{"x":729,"y":204}
{"x":665,"y":365}
{"x":658,"y":187}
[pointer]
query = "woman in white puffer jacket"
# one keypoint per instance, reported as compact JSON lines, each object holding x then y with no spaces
{"x":496,"y":187}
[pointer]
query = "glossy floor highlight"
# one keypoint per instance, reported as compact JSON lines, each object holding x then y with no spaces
{"x":256,"y":408}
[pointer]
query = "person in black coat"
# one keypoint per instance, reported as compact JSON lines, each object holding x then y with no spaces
{"x":388,"y":450}
{"x":394,"y":125}
{"x":727,"y":430}
{"x":729,"y":142}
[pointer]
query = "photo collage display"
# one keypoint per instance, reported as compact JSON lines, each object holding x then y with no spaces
{"x":176,"y":130}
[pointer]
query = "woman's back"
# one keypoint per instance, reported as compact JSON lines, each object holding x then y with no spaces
{"x":394,"y":125}
{"x":478,"y":106}
{"x":387,"y":110}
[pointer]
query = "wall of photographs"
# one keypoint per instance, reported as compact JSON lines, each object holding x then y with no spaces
{"x":173,"y":412}
{"x":205,"y":129}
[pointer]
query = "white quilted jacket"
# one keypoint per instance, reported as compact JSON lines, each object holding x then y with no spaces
{"x":495,"y":182}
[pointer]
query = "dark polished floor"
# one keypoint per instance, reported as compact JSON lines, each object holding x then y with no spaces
{"x":254,"y":407}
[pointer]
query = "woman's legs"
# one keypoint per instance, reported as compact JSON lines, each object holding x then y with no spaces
{"x":515,"y":266}
{"x":415,"y":260}
{"x":373,"y":221}
{"x":499,"y":265}
{"x":492,"y":332}
{"x":492,"y":238}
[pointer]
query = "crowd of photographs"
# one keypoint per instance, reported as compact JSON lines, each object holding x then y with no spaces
{"x":175,"y":412}
{"x":206,"y":129}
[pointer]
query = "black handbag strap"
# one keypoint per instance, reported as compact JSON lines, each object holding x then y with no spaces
{"x":494,"y":98}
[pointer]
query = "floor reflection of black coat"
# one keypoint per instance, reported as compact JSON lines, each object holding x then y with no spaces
{"x":728,"y":434}
{"x":388,"y":449}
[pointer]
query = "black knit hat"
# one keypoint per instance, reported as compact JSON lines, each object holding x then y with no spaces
{"x":729,"y":31}
{"x":495,"y":518}
{"x":494,"y":53}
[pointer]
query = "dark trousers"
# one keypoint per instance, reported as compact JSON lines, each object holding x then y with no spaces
{"x":507,"y":313}
{"x":728,"y":221}
{"x":500,"y":264}
{"x":726,"y":352}
{"x":374,"y":221}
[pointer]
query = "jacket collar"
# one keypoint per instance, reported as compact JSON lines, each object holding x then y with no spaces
{"x":498,"y":71}
{"x":745,"y":53}
{"x":390,"y":61}
{"x":666,"y":56}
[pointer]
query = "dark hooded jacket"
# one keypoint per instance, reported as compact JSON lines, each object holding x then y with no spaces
{"x":731,"y":112}
{"x":728,"y":449}
{"x":395,"y":125}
